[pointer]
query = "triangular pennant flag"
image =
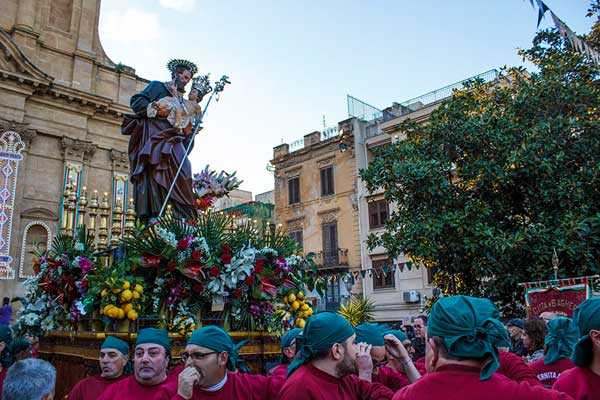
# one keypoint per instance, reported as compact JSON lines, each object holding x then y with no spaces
{"x":363,"y":273}
{"x":370,"y":273}
{"x":394,"y":267}
{"x":542,"y":8}
{"x":401,"y":266}
{"x":409,"y":265}
{"x":417,"y":266}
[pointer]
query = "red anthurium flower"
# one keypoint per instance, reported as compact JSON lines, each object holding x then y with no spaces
{"x":225,"y":247}
{"x":150,"y":261}
{"x":268,"y":286}
{"x":182,"y":244}
{"x":214,"y":271}
{"x":172,"y":266}
{"x":226,"y":258}
{"x":250,"y":280}
{"x":196,"y":254}
{"x":258,"y":268}
{"x":193,"y":271}
{"x":287,"y":282}
{"x":238,"y":293}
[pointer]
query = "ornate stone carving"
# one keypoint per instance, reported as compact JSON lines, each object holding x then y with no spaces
{"x":326,"y":162}
{"x":120,"y":160}
{"x":77,"y":150}
{"x":295,"y":224}
{"x":328,"y":216}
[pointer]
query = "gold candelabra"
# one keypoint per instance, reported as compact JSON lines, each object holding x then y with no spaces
{"x":130,"y":220}
{"x":103,"y":231}
{"x":117,"y":218}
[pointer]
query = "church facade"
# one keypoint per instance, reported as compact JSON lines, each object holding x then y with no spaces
{"x":61,"y":105}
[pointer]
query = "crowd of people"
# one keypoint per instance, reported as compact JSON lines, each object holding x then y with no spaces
{"x":468,"y":354}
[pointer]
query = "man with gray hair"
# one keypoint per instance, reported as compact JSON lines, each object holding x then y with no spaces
{"x":31,"y":379}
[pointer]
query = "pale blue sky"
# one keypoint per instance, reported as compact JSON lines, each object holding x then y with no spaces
{"x":293,"y":62}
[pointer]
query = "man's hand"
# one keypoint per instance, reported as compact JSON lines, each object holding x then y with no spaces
{"x":187,"y":379}
{"x":163,"y":111}
{"x":398,"y":355}
{"x":364,"y":362}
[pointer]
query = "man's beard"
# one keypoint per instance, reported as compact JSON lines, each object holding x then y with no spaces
{"x":180,"y":85}
{"x":346,"y":366}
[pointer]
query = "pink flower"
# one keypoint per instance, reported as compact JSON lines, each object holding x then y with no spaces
{"x":268,"y":286}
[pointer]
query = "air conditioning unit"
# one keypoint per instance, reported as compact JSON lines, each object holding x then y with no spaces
{"x":411,"y":296}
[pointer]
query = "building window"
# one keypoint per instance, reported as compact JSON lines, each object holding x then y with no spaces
{"x":36,"y":241}
{"x":327,"y":181}
{"x":294,"y":190}
{"x":378,"y":213}
{"x":332,"y":294}
{"x":297,"y":236}
{"x":330,"y":245}
{"x":381,"y":280}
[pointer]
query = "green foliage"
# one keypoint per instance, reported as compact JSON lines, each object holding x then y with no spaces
{"x":358,"y":310}
{"x":500,"y":176}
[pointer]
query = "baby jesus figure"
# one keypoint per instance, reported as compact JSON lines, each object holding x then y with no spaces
{"x":181,"y":114}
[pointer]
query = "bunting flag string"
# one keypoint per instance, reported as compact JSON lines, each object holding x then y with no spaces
{"x":578,"y":45}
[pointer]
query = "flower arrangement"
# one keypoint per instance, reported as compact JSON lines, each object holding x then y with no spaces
{"x":55,"y":296}
{"x":209,"y":186}
{"x":196,"y":264}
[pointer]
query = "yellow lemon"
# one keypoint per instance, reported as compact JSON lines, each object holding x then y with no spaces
{"x":127,"y":307}
{"x":309,"y":312}
{"x":126,"y":285}
{"x":136,"y":294}
{"x":107,"y":308}
{"x":103,"y":293}
{"x":300,"y":323}
{"x":304,"y":307}
{"x":126,"y":296}
{"x":300,"y":295}
{"x":285,"y":299}
{"x":295,"y":305}
{"x":112,"y":312}
{"x":132,"y":315}
{"x":120,"y":313}
{"x":138,"y":288}
{"x":116,"y":291}
{"x":291,"y":297}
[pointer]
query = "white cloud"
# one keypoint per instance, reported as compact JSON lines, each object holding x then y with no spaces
{"x":131,"y":25}
{"x":179,"y":5}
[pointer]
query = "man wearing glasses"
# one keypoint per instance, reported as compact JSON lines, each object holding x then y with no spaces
{"x":210,"y":359}
{"x":380,"y":371}
{"x":150,"y":362}
{"x":288,"y":351}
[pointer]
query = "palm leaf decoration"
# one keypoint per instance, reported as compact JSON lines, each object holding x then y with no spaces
{"x":82,"y":244}
{"x":358,"y":310}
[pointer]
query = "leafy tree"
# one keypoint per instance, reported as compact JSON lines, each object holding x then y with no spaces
{"x":500,"y":176}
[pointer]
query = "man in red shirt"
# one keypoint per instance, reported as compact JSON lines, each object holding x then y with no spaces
{"x":210,"y":371}
{"x":288,"y":351}
{"x":325,"y":365}
{"x":462,"y":356}
{"x":558,"y":346}
{"x":114,"y":355}
{"x":372,"y":335}
{"x":151,"y":358}
{"x":583,"y":381}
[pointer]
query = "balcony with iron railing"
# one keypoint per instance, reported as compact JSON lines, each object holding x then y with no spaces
{"x":331,"y":259}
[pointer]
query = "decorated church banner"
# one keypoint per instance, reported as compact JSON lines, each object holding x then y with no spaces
{"x":558,"y":296}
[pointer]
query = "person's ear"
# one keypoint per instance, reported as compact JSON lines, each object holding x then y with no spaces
{"x":595,"y":337}
{"x":435,"y":354}
{"x":223,"y":358}
{"x":337,"y":352}
{"x":2,"y":346}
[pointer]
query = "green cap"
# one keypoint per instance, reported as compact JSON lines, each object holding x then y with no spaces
{"x":112,"y":342}
{"x":399,"y":334}
{"x":561,"y":339}
{"x":286,"y":341}
{"x":155,"y":336}
{"x":470,"y":328}
{"x":586,"y":317}
{"x":369,"y":333}
{"x":322,"y":331}
{"x":214,"y":338}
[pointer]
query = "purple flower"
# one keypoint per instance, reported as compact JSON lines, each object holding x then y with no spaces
{"x":84,"y":264}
